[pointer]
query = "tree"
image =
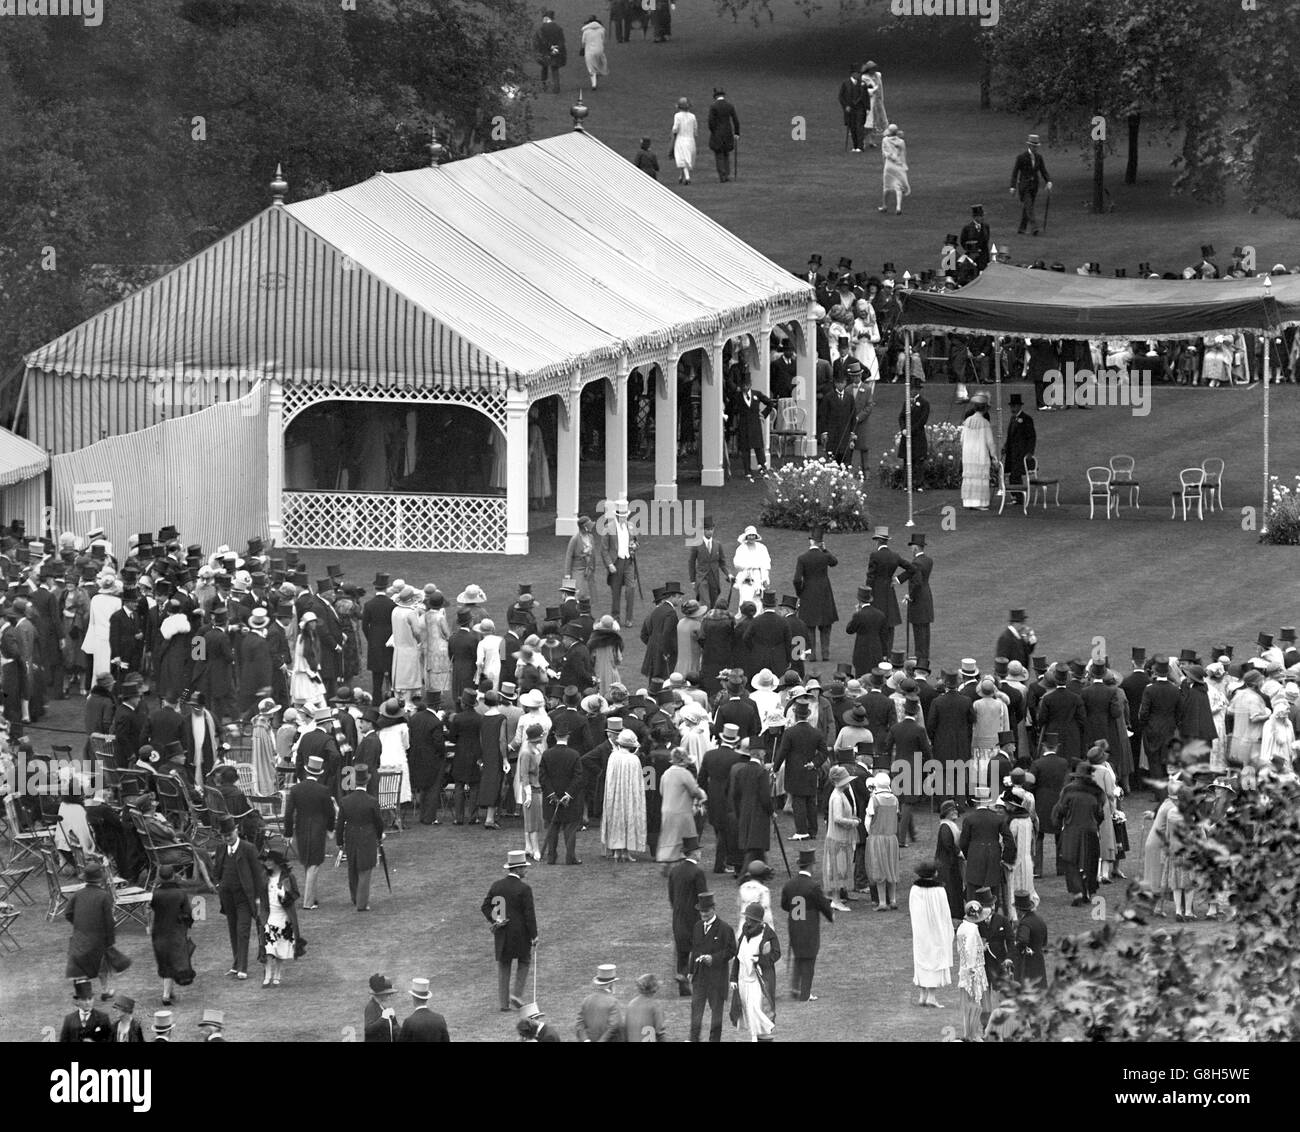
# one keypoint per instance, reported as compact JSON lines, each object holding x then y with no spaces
{"x":1128,"y":981}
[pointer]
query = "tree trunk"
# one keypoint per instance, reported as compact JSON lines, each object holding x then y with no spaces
{"x":1098,"y":177}
{"x":1131,"y":169}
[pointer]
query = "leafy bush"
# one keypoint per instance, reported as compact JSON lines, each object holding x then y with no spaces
{"x":941,"y":467}
{"x":816,"y":491}
{"x":1282,"y":519}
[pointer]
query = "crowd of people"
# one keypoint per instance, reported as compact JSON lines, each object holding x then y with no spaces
{"x":727,"y":725}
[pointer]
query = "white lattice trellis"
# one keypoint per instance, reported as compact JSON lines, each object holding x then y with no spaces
{"x":364,"y":520}
{"x":300,"y":397}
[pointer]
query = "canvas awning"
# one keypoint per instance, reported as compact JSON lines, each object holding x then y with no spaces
{"x":20,"y":459}
{"x":1053,"y":304}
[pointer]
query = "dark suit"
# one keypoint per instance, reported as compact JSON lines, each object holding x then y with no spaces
{"x":768,"y":639}
{"x":715,"y":781}
{"x":883,"y":564}
{"x":812,"y":582}
{"x":241,"y":887}
{"x":1014,"y":648}
{"x":127,"y":651}
{"x":872,"y":638}
{"x":709,"y":980}
{"x":1022,"y":440}
{"x":129,"y":725}
{"x":724,"y":129}
{"x":1050,"y":772}
{"x":835,"y":422}
{"x":508,"y":907}
{"x":97,"y":1028}
{"x":1158,"y":715}
{"x":1025,"y":175}
{"x":742,"y":713}
{"x":801,"y":750}
{"x":685,"y":883}
{"x":977,"y":232}
{"x":853,"y":101}
{"x":1133,"y":685}
{"x":1061,"y":710}
{"x":988,"y":845}
{"x":560,"y":773}
{"x":749,"y":427}
{"x":751,"y":802}
{"x":423,"y":1025}
{"x":360,"y":830}
{"x":659,"y":635}
{"x":462,"y":649}
{"x":920,"y":605}
{"x":705,"y":569}
{"x":805,"y":903}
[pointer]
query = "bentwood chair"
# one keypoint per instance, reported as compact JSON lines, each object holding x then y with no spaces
{"x":1099,"y":488}
{"x":1191,"y":490}
{"x":1124,"y":478}
{"x":1212,"y":466}
{"x":1036,"y":481}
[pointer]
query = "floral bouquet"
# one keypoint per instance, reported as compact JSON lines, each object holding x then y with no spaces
{"x":821,"y":492}
{"x":941,"y":467}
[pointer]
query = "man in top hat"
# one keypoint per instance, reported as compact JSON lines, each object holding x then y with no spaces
{"x":508,"y":908}
{"x":705,"y":566}
{"x":1017,"y":641}
{"x":713,"y":947}
{"x":600,"y":1018}
{"x":130,"y":719}
{"x":812,"y":584}
{"x":1050,"y":771}
{"x":423,"y":1024}
{"x":360,"y":835}
{"x":1079,"y":812}
{"x":801,"y":750}
{"x":560,"y":778}
{"x":241,"y":884}
{"x":751,"y":802}
{"x":659,"y":633}
{"x":920,"y":599}
{"x":715,"y":780}
{"x":767,"y":639}
{"x":126,"y":635}
{"x":550,"y":50}
{"x":686,"y":882}
{"x":212,"y":1024}
{"x":541,"y":1030}
{"x":85,"y":1023}
{"x":1022,"y":441}
{"x":163,"y":1024}
{"x":882,"y":567}
{"x":737,"y":709}
{"x":1026,"y":173}
{"x":1061,"y":710}
{"x":871,"y":633}
{"x":724,"y":129}
{"x":618,"y":546}
{"x":854,"y":102}
{"x":835,"y":419}
{"x":377,"y":628}
{"x":1158,"y":717}
{"x":380,"y":1021}
{"x":309,"y":818}
{"x":976,"y":236}
{"x":804,"y":902}
{"x":986,"y":842}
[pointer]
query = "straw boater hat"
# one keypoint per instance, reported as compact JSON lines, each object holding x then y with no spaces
{"x":764,"y":679}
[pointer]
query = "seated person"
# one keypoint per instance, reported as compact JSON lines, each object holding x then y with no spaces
{"x":238,"y":805}
{"x":172,"y":848}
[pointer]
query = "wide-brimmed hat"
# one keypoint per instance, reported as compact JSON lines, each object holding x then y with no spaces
{"x":764,"y":678}
{"x":471,"y":595}
{"x":381,"y":984}
{"x":533,"y":698}
{"x":749,"y":534}
{"x":392,"y":709}
{"x":839,"y":776}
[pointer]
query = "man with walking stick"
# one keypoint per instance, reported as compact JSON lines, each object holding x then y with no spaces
{"x":1025,"y":175}
{"x":853,"y":101}
{"x":724,"y":133}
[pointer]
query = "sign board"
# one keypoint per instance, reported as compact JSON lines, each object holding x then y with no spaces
{"x":92,"y":496}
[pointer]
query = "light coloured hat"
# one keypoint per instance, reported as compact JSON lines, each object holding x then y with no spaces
{"x":606,"y":973}
{"x":530,"y":1011}
{"x":212,"y":1017}
{"x":880,"y":781}
{"x":471,"y":595}
{"x":763,"y":679}
{"x":420,"y":989}
{"x":516,"y":859}
{"x":627,"y":739}
{"x":749,"y":534}
{"x":408,"y":595}
{"x":162,"y":1021}
{"x":533,"y":698}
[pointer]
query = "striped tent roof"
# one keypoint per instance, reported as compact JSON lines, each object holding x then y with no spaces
{"x":20,"y":459}
{"x":510,"y":266}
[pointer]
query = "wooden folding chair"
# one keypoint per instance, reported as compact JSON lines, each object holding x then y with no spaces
{"x":12,"y":881}
{"x":390,"y":792}
{"x":8,"y":917}
{"x":133,"y":903}
{"x":59,"y":892}
{"x":25,"y":839}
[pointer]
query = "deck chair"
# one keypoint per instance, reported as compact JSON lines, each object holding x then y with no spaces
{"x":12,"y":881}
{"x":1099,"y":487}
{"x":59,"y":892}
{"x":390,"y":791}
{"x":8,"y":917}
{"x":131,"y":902}
{"x":25,"y":839}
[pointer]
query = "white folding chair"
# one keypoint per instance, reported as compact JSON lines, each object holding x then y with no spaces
{"x":1099,"y":487}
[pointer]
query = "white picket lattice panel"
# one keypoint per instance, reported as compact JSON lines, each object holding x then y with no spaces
{"x":375,"y":520}
{"x":299,"y":397}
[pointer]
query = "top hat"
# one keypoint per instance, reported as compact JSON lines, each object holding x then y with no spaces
{"x":950,"y":239}
{"x":1039,"y":663}
{"x":1265,"y":640}
{"x":1015,"y":399}
{"x":83,"y":989}
{"x":789,"y":601}
{"x":730,"y":735}
{"x":1017,"y":616}
{"x":162,"y":1021}
{"x":816,"y":259}
{"x":1286,"y":634}
{"x":845,"y":264}
{"x":917,"y":539}
{"x":704,"y":902}
{"x":1187,"y":656}
{"x":881,"y":534}
{"x":420,"y":988}
{"x":1207,"y":250}
{"x":516,"y":859}
{"x":212,"y":1017}
{"x":1033,"y":139}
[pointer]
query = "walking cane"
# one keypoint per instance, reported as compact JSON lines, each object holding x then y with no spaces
{"x":735,"y":173}
{"x":780,"y":842}
{"x":1047,"y":207}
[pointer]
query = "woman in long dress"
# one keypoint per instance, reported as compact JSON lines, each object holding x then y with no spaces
{"x":539,"y":467}
{"x":688,"y":636}
{"x":881,"y":820}
{"x":894,"y":150}
{"x":679,"y":794}
{"x":623,"y":822}
{"x":696,"y":736}
{"x":606,"y":647}
{"x":394,"y":742}
{"x":408,"y":636}
{"x":494,"y":757}
{"x":877,"y":114}
{"x":978,"y":452}
{"x":264,"y":754}
{"x":1178,"y":878}
{"x":437,"y":661}
{"x":972,"y":977}
{"x":280,"y":932}
{"x":593,"y":49}
{"x":1022,"y":833}
{"x":841,"y":840}
{"x":528,"y":788}
{"x":754,"y":974}
{"x":1155,"y":851}
{"x":753,"y":565}
{"x":580,"y":557}
{"x":305,"y":684}
{"x":947,"y":856}
{"x":684,"y":127}
{"x":488,"y":662}
{"x":1216,"y":685}
{"x":932,"y":933}
{"x":1104,"y":776}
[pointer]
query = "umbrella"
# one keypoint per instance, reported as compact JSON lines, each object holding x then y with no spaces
{"x":383,"y":860}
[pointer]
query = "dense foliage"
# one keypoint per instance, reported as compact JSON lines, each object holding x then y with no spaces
{"x":816,"y":491}
{"x":1282,"y":519}
{"x":941,"y":467}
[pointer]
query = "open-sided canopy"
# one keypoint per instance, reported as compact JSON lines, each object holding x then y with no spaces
{"x":507,"y":267}
{"x":20,"y":459}
{"x":1053,"y":304}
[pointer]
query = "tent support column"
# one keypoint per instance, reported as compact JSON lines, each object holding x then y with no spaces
{"x":616,"y":434}
{"x":806,"y":369}
{"x":568,"y":458}
{"x":997,"y":393}
{"x":763,"y":378}
{"x":1263,"y":514}
{"x":712,"y":437}
{"x":907,"y":424}
{"x":516,"y":471}
{"x":666,"y":429}
{"x":274,"y":394}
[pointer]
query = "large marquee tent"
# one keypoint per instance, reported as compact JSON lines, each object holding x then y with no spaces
{"x":1052,"y":304}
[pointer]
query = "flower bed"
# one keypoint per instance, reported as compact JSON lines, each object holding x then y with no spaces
{"x":941,"y":467}
{"x":1282,"y":519}
{"x":816,"y":491}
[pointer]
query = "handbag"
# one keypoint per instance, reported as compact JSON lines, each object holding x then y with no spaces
{"x":736,"y":1010}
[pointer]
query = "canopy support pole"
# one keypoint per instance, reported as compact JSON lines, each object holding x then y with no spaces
{"x":273,"y":393}
{"x":1263,"y":515}
{"x":997,"y":390}
{"x":713,"y":437}
{"x":568,"y":457}
{"x":516,"y":471}
{"x":666,"y":429}
{"x":907,"y":424}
